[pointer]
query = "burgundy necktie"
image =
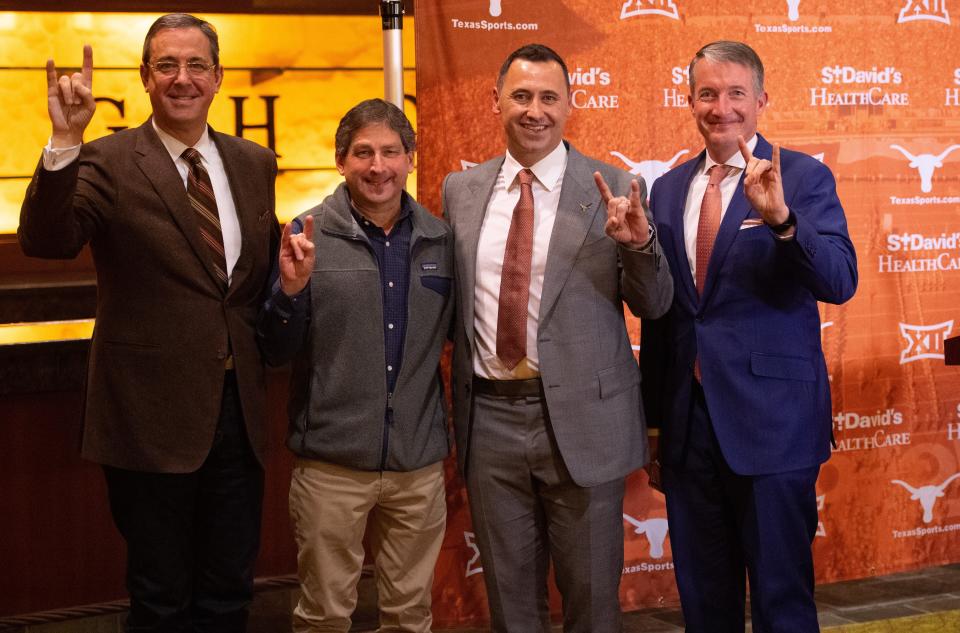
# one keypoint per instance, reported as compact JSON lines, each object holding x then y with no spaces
{"x":200,"y":193}
{"x":709,"y":222}
{"x":515,"y":278}
{"x":707,"y":229}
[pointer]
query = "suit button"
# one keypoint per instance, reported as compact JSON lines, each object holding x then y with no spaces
{"x":221,"y":354}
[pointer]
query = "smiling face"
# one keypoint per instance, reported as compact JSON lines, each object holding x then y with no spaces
{"x":725,"y":104}
{"x":375,"y":167}
{"x":180,"y":103}
{"x":533,"y":103}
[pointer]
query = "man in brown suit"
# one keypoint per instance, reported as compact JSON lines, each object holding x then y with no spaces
{"x":180,"y":220}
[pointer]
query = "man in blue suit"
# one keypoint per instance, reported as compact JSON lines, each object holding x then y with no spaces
{"x":734,"y":373}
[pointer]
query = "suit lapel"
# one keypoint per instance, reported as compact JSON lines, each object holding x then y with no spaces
{"x":579,"y":203}
{"x":676,"y":206}
{"x":245,"y":200}
{"x":154,"y":161}
{"x":480,"y":184}
{"x":737,"y":212}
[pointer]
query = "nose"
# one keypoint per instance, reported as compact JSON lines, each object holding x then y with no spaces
{"x":182,"y":75}
{"x":376,"y":162}
{"x":535,"y":109}
{"x":721,"y":104}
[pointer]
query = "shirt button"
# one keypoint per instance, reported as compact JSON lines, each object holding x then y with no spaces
{"x":388,"y":243}
{"x":389,"y":367}
{"x":390,"y":283}
{"x":390,"y":325}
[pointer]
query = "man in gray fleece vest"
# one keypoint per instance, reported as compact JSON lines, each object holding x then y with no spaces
{"x":362,"y":307}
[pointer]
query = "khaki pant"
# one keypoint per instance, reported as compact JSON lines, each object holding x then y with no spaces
{"x":329,"y":506}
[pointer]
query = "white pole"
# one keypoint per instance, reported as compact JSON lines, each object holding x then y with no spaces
{"x":391,"y":15}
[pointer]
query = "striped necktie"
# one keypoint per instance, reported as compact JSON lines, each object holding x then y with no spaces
{"x":200,"y":193}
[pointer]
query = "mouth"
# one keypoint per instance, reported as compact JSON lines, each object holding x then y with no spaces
{"x":722,"y":124}
{"x":378,"y":184}
{"x":534,"y":128}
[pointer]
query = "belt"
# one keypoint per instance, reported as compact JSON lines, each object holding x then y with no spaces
{"x":530,"y":388}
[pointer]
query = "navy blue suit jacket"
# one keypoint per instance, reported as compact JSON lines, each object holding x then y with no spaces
{"x":756,"y":327}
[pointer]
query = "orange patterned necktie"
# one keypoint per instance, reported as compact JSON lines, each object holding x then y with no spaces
{"x":709,"y":222}
{"x":200,"y":194}
{"x":515,"y":278}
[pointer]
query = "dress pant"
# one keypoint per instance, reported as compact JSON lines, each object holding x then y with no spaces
{"x":527,"y":512}
{"x":725,"y":527}
{"x":331,"y":506}
{"x":192,"y":539}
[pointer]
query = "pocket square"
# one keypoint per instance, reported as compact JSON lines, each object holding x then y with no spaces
{"x":749,"y":223}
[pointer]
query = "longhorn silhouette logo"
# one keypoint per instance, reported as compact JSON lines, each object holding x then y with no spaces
{"x":925,"y":164}
{"x":926,"y":495}
{"x":793,"y":8}
{"x":495,"y":8}
{"x":654,"y":529}
{"x":649,"y":170}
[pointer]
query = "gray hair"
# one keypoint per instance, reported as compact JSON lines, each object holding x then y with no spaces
{"x":182,"y":21}
{"x":733,"y":52}
{"x":371,"y":112}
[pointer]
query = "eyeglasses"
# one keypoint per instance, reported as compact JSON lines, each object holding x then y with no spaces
{"x":171,"y":68}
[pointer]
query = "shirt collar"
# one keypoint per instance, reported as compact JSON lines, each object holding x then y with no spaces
{"x":176,"y":147}
{"x":548,"y":170}
{"x":405,"y":211}
{"x":736,"y":161}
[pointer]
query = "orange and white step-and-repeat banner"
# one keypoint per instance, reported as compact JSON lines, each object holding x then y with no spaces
{"x":871,"y":88}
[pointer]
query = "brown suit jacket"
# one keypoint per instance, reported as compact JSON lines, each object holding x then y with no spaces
{"x":164,"y":327}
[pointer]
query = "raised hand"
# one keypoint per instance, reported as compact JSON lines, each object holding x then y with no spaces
{"x":626,"y":220}
{"x":70,"y":101}
{"x":763,"y":185}
{"x":296,"y":257}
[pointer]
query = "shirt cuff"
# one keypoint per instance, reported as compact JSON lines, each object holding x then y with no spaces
{"x":647,"y":246}
{"x":288,"y":305}
{"x":57,"y":158}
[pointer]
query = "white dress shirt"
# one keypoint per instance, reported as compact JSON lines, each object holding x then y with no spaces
{"x":698,"y":186}
{"x":57,"y":158}
{"x":548,"y":178}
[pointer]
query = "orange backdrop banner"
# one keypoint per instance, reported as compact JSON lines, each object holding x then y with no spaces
{"x":874,"y":93}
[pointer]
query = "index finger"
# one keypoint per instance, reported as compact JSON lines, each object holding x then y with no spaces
{"x":51,"y":78}
{"x":744,"y":149}
{"x":87,"y":70}
{"x":605,"y":192}
{"x":776,"y":158}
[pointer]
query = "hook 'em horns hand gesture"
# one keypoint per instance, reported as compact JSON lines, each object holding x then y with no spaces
{"x":763,"y":185}
{"x":626,"y":221}
{"x":70,"y":101}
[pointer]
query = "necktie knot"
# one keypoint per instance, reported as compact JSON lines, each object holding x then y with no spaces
{"x":525,"y":176}
{"x":717,"y":173}
{"x":192,"y":156}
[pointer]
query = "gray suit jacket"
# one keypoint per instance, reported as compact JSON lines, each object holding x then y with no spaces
{"x":590,"y":377}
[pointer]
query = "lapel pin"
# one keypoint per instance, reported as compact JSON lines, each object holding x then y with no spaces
{"x":584,"y":207}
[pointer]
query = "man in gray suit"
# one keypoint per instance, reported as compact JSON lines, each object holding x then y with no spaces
{"x":546,"y":388}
